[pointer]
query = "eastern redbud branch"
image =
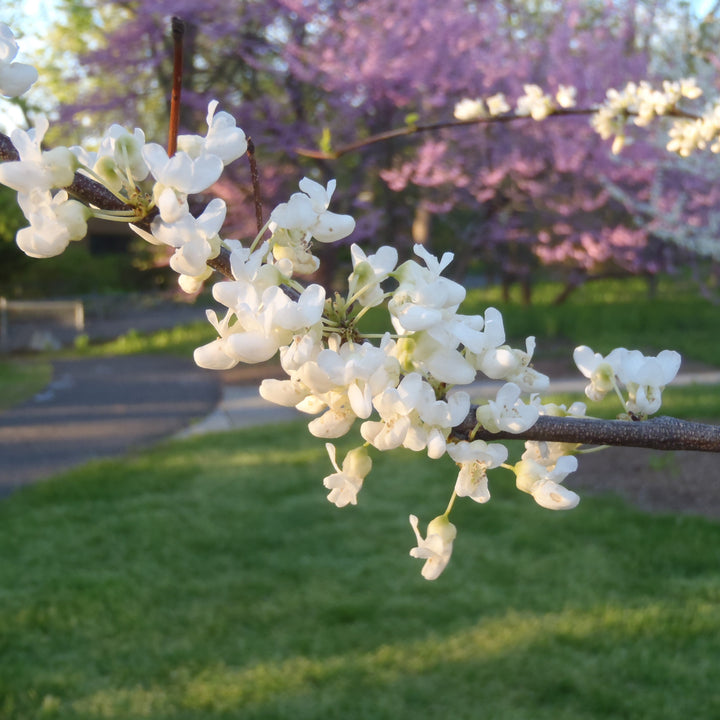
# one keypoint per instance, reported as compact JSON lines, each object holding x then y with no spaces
{"x":660,"y":433}
{"x":178,"y":30}
{"x":413,"y":129}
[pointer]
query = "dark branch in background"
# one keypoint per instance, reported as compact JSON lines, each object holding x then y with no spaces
{"x":255,"y":179}
{"x":660,"y":433}
{"x":414,"y":129}
{"x":178,"y":31}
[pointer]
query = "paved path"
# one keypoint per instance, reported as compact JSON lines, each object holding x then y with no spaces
{"x":105,"y":407}
{"x":101,"y":407}
{"x":241,"y":406}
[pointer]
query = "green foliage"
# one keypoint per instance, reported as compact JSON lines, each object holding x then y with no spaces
{"x":179,"y":340}
{"x":20,"y":380}
{"x":211,"y":579}
{"x":76,"y":272}
{"x":608,"y":314}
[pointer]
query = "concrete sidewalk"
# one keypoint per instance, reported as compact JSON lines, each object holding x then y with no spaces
{"x":241,"y":405}
{"x":101,"y":407}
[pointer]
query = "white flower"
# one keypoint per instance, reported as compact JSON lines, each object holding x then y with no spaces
{"x":497,"y":104}
{"x":506,"y":363}
{"x":543,"y":482}
{"x":196,"y":239}
{"x":119,"y":160}
{"x":436,"y":548}
{"x":468,"y":109}
{"x":224,"y":140}
{"x":475,"y":459}
{"x":646,"y":378}
{"x":507,"y":413}
{"x":307,"y":213}
{"x":54,"y":223}
{"x":412,"y":417}
{"x":263,"y":323}
{"x":600,"y":370}
{"x":565,"y":96}
{"x":345,"y":484}
{"x":424,"y":299}
{"x":534,"y":103}
{"x":37,"y":170}
{"x":368,"y":272}
{"x":181,"y":173}
{"x":15,"y":77}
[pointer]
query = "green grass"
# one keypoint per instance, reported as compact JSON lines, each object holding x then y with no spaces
{"x":210,"y":578}
{"x":20,"y":380}
{"x":692,"y":402}
{"x":611,"y":314}
{"x":179,"y":340}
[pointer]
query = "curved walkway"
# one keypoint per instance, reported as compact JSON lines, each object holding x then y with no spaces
{"x":101,"y":407}
{"x":104,"y":407}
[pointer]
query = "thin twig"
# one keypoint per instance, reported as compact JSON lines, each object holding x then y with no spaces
{"x":255,"y":178}
{"x":414,"y":129}
{"x":178,"y":31}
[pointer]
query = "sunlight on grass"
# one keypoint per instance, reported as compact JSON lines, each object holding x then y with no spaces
{"x":210,"y":578}
{"x":221,"y":689}
{"x":179,"y":340}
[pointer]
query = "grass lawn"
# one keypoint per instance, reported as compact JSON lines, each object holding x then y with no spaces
{"x":613,"y":313}
{"x":20,"y":380}
{"x":210,"y":578}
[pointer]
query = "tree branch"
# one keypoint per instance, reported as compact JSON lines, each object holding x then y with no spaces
{"x":660,"y":433}
{"x":413,"y":129}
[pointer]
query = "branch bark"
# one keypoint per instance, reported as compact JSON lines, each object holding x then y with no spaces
{"x":414,"y":129}
{"x":660,"y":433}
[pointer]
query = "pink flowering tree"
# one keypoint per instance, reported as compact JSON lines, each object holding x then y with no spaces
{"x":409,"y":387}
{"x":317,"y":77}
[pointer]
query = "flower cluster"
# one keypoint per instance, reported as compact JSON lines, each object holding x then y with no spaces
{"x":407,"y":387}
{"x":642,"y":103}
{"x":636,"y":103}
{"x":644,"y":377}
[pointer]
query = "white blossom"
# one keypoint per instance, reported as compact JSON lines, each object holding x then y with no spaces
{"x":436,"y":548}
{"x":345,"y":484}
{"x":37,"y":169}
{"x":55,"y":221}
{"x":544,"y":482}
{"x":507,"y":413}
{"x":467,"y":109}
{"x":223,"y":140}
{"x":534,"y":102}
{"x":368,"y":272}
{"x":307,"y":214}
{"x":600,"y":370}
{"x":475,"y":459}
{"x":15,"y":77}
{"x":646,"y":377}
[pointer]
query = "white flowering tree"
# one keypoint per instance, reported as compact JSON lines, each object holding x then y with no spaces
{"x":405,"y":388}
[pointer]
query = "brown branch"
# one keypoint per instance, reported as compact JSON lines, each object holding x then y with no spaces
{"x":178,"y":31}
{"x":255,"y":179}
{"x":414,"y":129}
{"x":660,"y":433}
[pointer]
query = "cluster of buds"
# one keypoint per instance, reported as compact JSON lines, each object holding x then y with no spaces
{"x":407,"y":387}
